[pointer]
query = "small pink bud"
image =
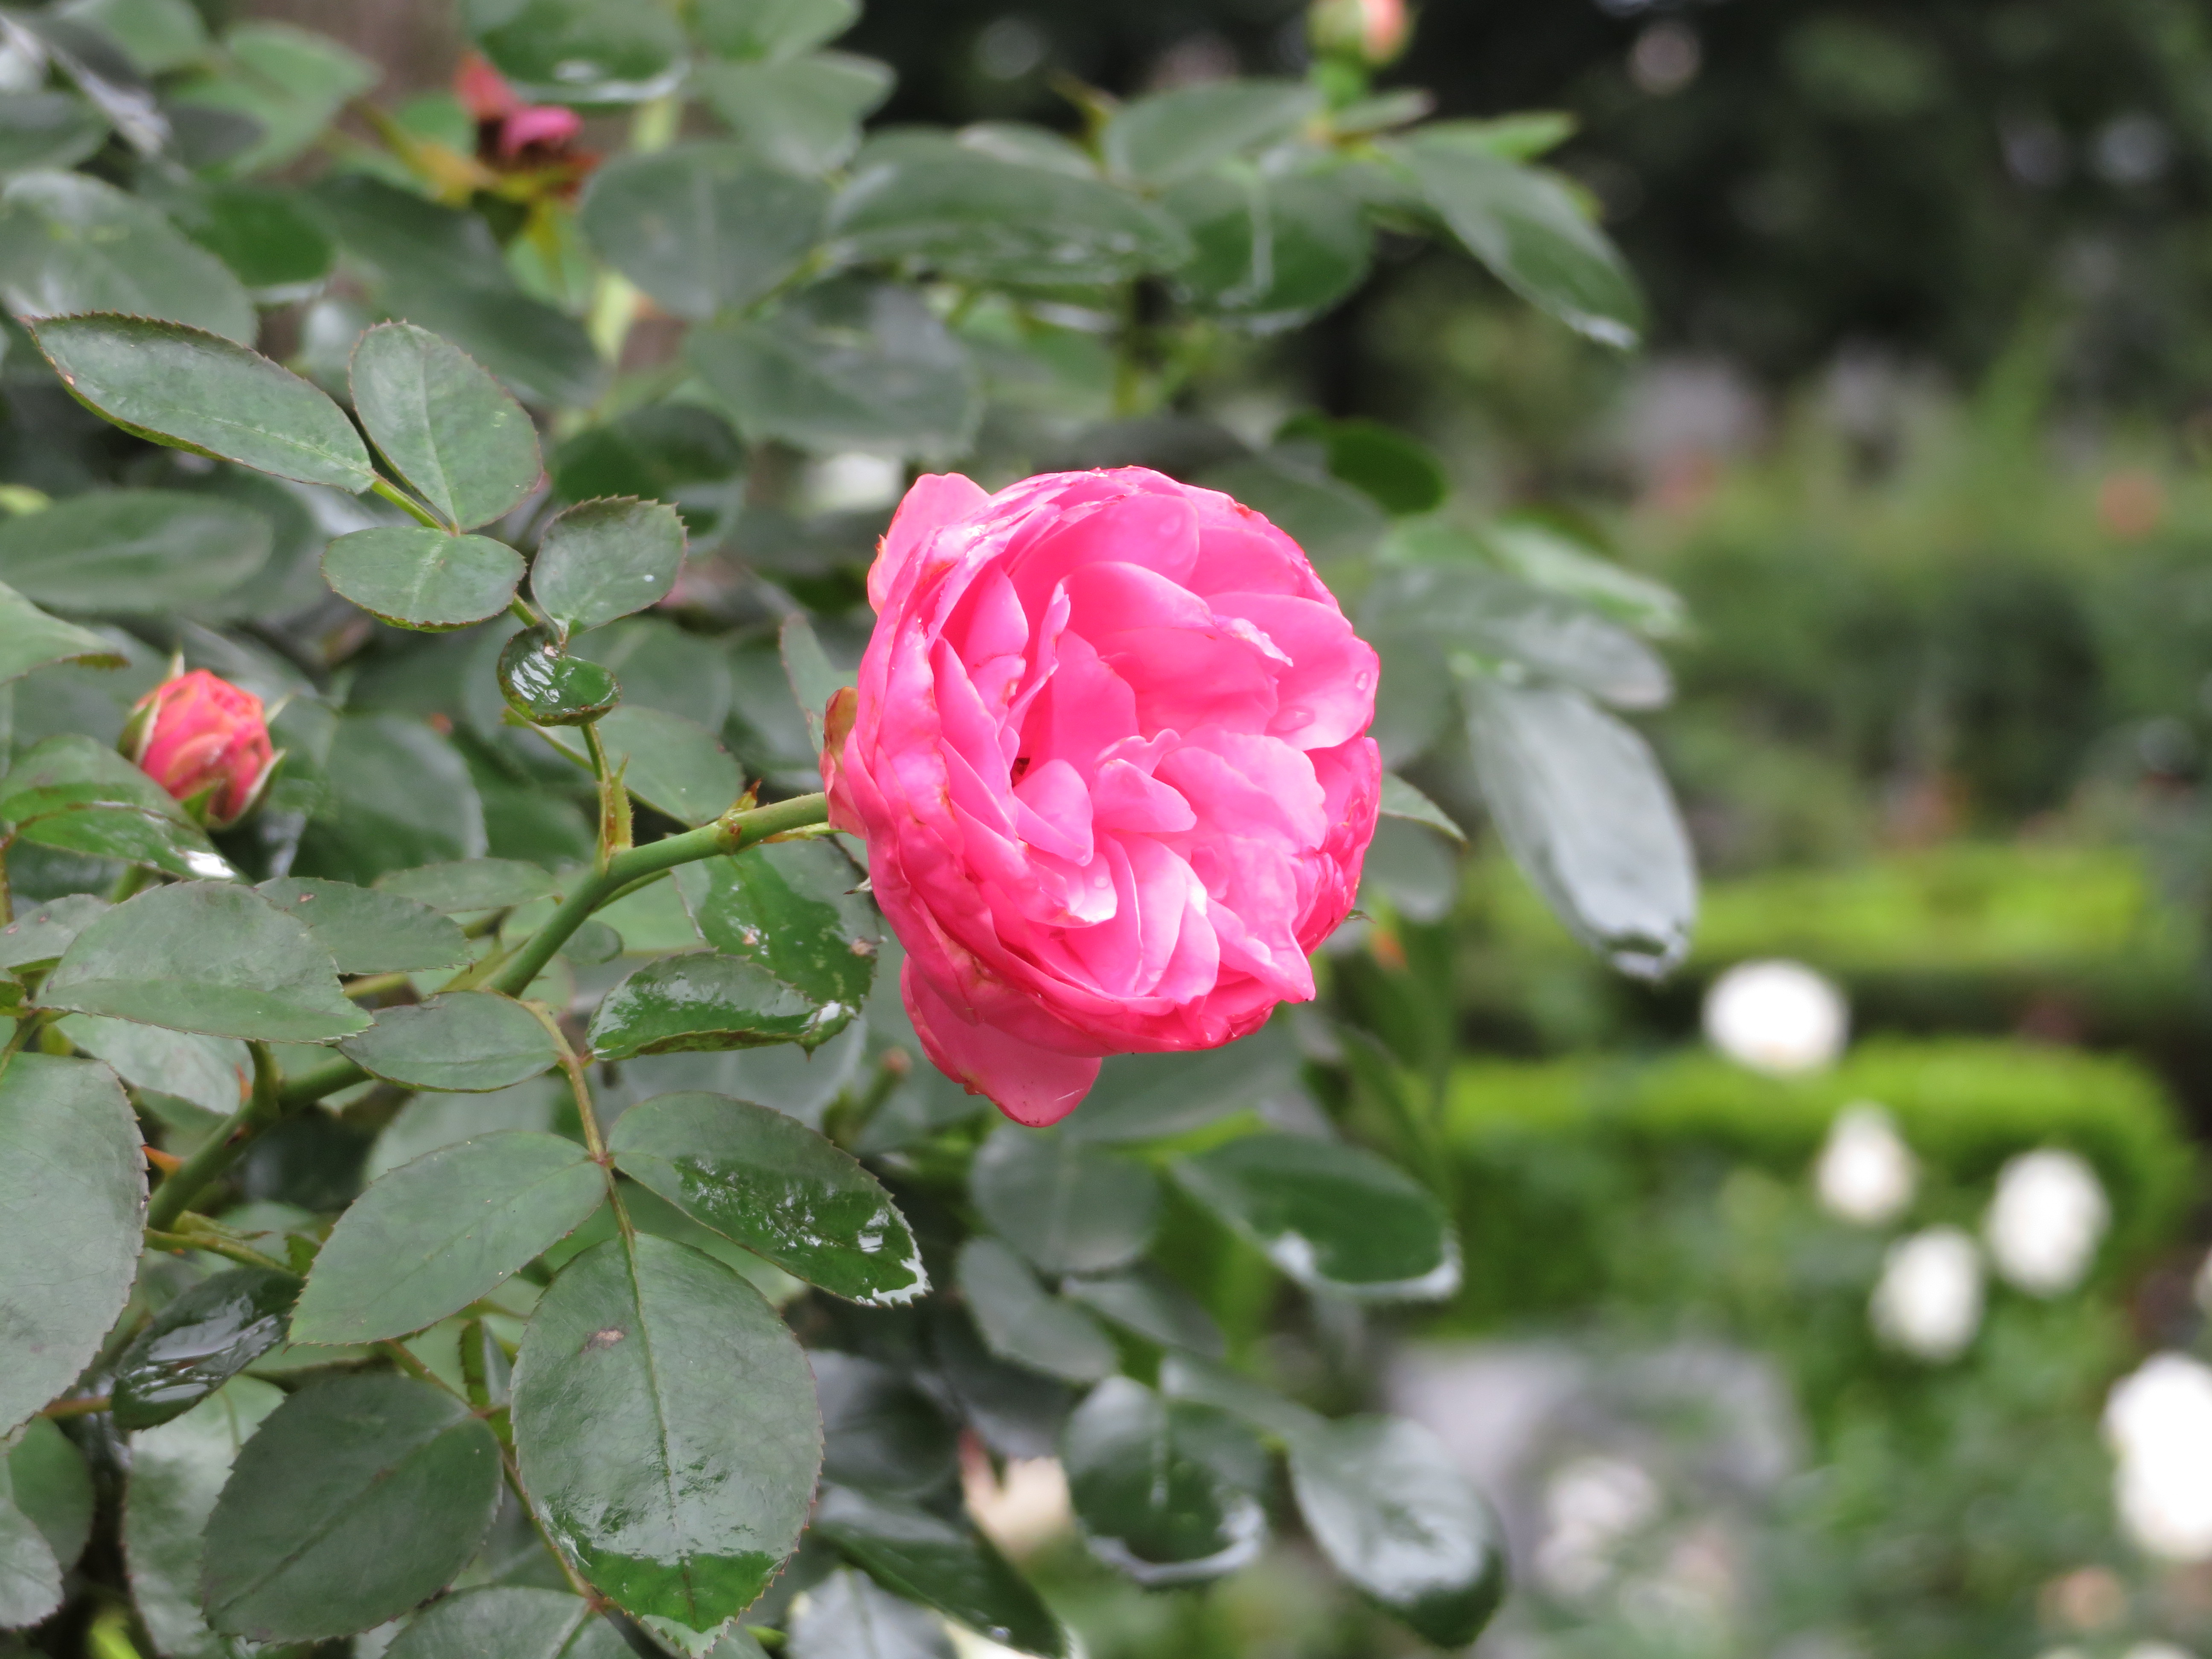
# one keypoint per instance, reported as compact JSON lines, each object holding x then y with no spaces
{"x":203,"y":740}
{"x":549,"y":125}
{"x":1373,"y":31}
{"x":484,"y":91}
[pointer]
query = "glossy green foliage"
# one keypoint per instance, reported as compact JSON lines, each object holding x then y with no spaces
{"x":200,"y":1341}
{"x":205,"y":956}
{"x":1024,"y":1325}
{"x":702,"y":999}
{"x":357,"y":1498}
{"x":942,"y":1564}
{"x":513,"y":1621}
{"x":416,"y":577}
{"x":80,"y":796}
{"x":433,"y":1236}
{"x":460,"y":886}
{"x":368,"y":931}
{"x":466,"y":1042}
{"x":31,"y":639}
{"x":591,"y":51}
{"x":775,"y":1186}
{"x":72,"y":1191}
{"x":674,"y":765}
{"x":70,"y":244}
{"x":1335,"y":1219}
{"x":548,"y":687}
{"x":1069,"y":1207}
{"x":199,"y":391}
{"x":1166,"y":1490}
{"x":448,"y":428}
{"x":791,"y":910}
{"x":847,"y":1617}
{"x":51,"y":1486}
{"x":605,"y":559}
{"x":665,"y":1425}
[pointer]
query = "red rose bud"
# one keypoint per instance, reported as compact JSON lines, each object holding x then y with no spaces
{"x":509,"y":131}
{"x":206,"y":742}
{"x":1373,"y":31}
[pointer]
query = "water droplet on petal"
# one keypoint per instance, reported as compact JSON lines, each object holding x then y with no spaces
{"x":1362,"y":680}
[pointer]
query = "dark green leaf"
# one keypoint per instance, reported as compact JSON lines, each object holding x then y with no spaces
{"x":1149,"y":1305}
{"x":1142,"y":1098}
{"x":944,"y":1564}
{"x":1069,"y":1207}
{"x":199,"y":391}
{"x":1017,"y":1412}
{"x":41,"y":932}
{"x":701,"y":1000}
{"x":1382,"y":1499}
{"x":803,"y":115}
{"x":1019,"y":1322}
{"x":1401,"y":800}
{"x":972,"y":216}
{"x":368,"y":931}
{"x":262,"y":234}
{"x":666,"y":667}
{"x":70,"y":244}
{"x":579,"y":51}
{"x":1336,"y":1218}
{"x":52,"y":1488}
{"x":30,"y":1577}
{"x":1533,"y":235}
{"x":433,"y":1236}
{"x":463,"y":1043}
{"x":778,"y":30}
{"x":849,"y":365}
{"x":1177,"y":135}
{"x":359,"y":1498}
{"x":700,"y":227}
{"x":214,"y":1072}
{"x":1401,"y":475}
{"x":880,"y":1432}
{"x":1270,"y":252}
{"x":1165,"y":1490}
{"x":1584,"y":810}
{"x":72,"y":1194}
{"x":30,"y":639}
{"x":416,"y":577}
{"x":205,"y":956}
{"x":447,"y":428}
{"x":790,"y":908}
{"x":542,"y":354}
{"x":505,"y":1621}
{"x":470,"y":885}
{"x":664,"y":452}
{"x":665,"y":1422}
{"x":548,"y":687}
{"x":176,"y":1474}
{"x":46,"y":129}
{"x":77,"y":794}
{"x":846,"y":1617}
{"x":133,"y":552}
{"x":200,"y":1341}
{"x":1193,"y":1378}
{"x":400,"y":795}
{"x":671,"y":764}
{"x":601,"y":559}
{"x":775,"y":1186}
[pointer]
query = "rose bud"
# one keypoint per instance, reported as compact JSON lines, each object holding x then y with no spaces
{"x":510,"y":132}
{"x":206,"y":742}
{"x":1109,"y":753}
{"x":1373,"y":31}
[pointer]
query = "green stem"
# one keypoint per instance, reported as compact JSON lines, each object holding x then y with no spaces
{"x":518,"y":608}
{"x":398,"y":1354}
{"x":408,"y":505}
{"x":245,"y":1255}
{"x":221,"y":1149}
{"x":98,"y":1402}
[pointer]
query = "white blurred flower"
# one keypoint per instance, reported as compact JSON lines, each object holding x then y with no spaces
{"x":853,"y":481}
{"x":1590,"y":1505}
{"x":1929,"y":1300}
{"x":1776,"y":1017}
{"x":2044,"y":1224}
{"x":1866,"y":1173}
{"x":2157,"y":1650}
{"x":1026,"y":1509}
{"x":2158,"y":1420}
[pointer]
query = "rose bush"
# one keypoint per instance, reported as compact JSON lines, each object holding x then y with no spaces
{"x":1110,"y":757}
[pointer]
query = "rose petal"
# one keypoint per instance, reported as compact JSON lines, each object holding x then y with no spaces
{"x":1031,"y":1085}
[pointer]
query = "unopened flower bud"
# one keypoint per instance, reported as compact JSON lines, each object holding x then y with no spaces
{"x":1373,"y":31}
{"x":206,"y":742}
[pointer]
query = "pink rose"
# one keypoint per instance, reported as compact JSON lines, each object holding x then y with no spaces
{"x":1109,"y":753}
{"x":203,"y":740}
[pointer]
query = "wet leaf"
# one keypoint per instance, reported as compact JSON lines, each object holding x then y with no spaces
{"x":1166,"y":1491}
{"x":547,"y":687}
{"x":1021,"y":1324}
{"x":945,"y":1565}
{"x":198,"y":1342}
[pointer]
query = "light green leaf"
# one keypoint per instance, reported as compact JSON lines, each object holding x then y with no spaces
{"x":71,"y":243}
{"x":198,"y":1342}
{"x":30,"y":639}
{"x":704,"y":1000}
{"x":447,"y":428}
{"x":269,"y":241}
{"x":133,"y":552}
{"x":52,"y":1488}
{"x":1148,"y":1304}
{"x":470,"y":885}
{"x":1382,"y":1499}
{"x":505,"y":1621}
{"x":156,"y":35}
{"x":1336,"y":1218}
{"x":1179,"y":134}
{"x":848,"y":365}
{"x":176,"y":1474}
{"x":1069,"y":1207}
{"x":368,"y":931}
{"x":39,"y":130}
{"x":671,"y":764}
{"x":814,"y":679}
{"x":664,"y":1420}
{"x":433,"y":1236}
{"x":30,"y":1577}
{"x":944,"y":1564}
{"x":72,"y":1198}
{"x":192,"y":390}
{"x":41,"y":932}
{"x":770,"y":1183}
{"x":579,"y":51}
{"x":1194,"y":1377}
{"x":79,"y":795}
{"x":289,"y":82}
{"x":416,"y":577}
{"x":1401,"y":800}
{"x":215,"y":1073}
{"x":777,"y":30}
{"x":702,"y":227}
{"x":358,"y":1498}
{"x":1141,"y":1098}
{"x":1166,"y":1491}
{"x":1269,"y":252}
{"x":1021,"y":1324}
{"x":205,"y":956}
{"x":803,"y":115}
{"x":847,"y":1617}
{"x":463,"y":1041}
{"x":601,"y":559}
